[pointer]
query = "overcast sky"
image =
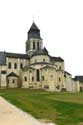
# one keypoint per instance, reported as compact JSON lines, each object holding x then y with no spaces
{"x":60,"y":22}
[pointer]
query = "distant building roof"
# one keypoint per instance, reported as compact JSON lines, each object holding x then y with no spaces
{"x":57,"y":59}
{"x":12,"y":74}
{"x":2,"y":58}
{"x":79,"y":78}
{"x":16,"y":55}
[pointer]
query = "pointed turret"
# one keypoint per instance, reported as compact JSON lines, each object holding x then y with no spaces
{"x":34,"y":41}
{"x":34,"y":31}
{"x":34,"y":27}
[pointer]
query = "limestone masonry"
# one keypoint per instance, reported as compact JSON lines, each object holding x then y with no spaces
{"x":36,"y":69}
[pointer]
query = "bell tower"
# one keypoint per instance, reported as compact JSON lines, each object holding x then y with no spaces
{"x":34,"y":41}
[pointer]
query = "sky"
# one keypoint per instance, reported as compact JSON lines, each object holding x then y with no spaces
{"x":60,"y":23}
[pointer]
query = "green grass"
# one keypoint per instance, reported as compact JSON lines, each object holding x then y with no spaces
{"x":60,"y":108}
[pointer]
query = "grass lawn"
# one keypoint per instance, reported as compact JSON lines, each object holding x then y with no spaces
{"x":60,"y":108}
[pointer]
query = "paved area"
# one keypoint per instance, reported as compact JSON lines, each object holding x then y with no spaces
{"x":10,"y":115}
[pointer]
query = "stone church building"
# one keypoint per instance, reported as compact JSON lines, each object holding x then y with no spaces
{"x":36,"y":69}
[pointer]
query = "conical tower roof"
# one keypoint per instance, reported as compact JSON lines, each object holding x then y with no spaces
{"x":34,"y":32}
{"x":34,"y":27}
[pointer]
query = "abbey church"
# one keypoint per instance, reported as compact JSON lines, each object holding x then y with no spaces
{"x":36,"y":69}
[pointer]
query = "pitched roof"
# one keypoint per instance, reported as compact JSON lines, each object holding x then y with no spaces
{"x":57,"y":59}
{"x":2,"y":58}
{"x":33,"y":27}
{"x":79,"y":78}
{"x":65,"y":72}
{"x":12,"y":74}
{"x":40,"y":52}
{"x":45,"y":50}
{"x":16,"y":55}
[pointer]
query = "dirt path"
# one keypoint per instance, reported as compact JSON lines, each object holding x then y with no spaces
{"x":10,"y":115}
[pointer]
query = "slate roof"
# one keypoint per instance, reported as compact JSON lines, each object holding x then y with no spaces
{"x":65,"y":72}
{"x":34,"y":32}
{"x":45,"y":50}
{"x":16,"y":55}
{"x":34,"y":27}
{"x":40,"y":52}
{"x":12,"y":74}
{"x":2,"y":58}
{"x":79,"y":78}
{"x":57,"y":59}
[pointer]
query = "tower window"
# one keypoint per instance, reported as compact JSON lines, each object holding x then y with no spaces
{"x":15,"y":66}
{"x":38,"y":45}
{"x":34,"y":45}
{"x":9,"y":65}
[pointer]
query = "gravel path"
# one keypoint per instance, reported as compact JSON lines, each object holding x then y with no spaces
{"x":10,"y":115}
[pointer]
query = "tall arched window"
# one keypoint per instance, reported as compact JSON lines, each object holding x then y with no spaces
{"x":43,"y":60}
{"x":34,"y":47}
{"x":59,"y":67}
{"x":25,"y":78}
{"x":9,"y":65}
{"x":15,"y":66}
{"x":38,"y":45}
{"x":37,"y":75}
{"x":21,"y":65}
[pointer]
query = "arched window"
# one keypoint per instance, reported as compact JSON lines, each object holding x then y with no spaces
{"x":38,"y":45}
{"x":15,"y":66}
{"x":43,"y":60}
{"x":9,"y":65}
{"x":25,"y":78}
{"x":32,"y":78}
{"x":59,"y":79}
{"x":38,"y":75}
{"x":34,"y":47}
{"x":60,"y":67}
{"x":21,"y":65}
{"x":13,"y":81}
